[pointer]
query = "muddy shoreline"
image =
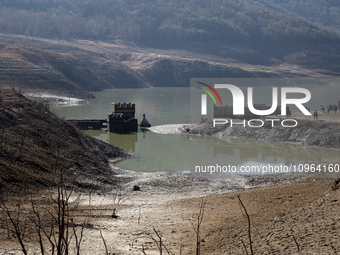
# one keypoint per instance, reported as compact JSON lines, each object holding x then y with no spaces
{"x":167,"y":200}
{"x":309,"y":133}
{"x":50,"y":98}
{"x":318,"y":133}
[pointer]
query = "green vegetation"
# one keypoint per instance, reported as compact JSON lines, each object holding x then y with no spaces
{"x":161,"y":21}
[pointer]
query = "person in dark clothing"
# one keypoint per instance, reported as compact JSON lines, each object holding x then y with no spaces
{"x":315,"y":115}
{"x":289,"y":114}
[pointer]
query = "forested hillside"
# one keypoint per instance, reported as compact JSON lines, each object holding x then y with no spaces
{"x":322,"y":12}
{"x":162,"y":21}
{"x":75,"y":46}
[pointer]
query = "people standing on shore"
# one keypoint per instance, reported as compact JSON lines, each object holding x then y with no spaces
{"x":289,"y":114}
{"x":315,"y":115}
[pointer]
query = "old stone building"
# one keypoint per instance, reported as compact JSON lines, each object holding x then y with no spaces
{"x":122,"y":118}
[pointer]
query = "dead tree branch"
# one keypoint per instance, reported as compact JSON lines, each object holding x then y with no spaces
{"x":199,"y":218}
{"x":249,"y":228}
{"x":106,"y":251}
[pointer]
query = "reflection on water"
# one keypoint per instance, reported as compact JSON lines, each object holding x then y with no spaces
{"x":157,"y":152}
{"x":240,"y":152}
{"x":126,"y":142}
{"x":154,"y":152}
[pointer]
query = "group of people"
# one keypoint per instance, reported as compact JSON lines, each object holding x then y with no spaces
{"x":330,"y":107}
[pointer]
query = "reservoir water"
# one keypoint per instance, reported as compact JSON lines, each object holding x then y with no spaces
{"x":159,"y":152}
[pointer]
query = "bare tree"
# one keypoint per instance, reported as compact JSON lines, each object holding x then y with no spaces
{"x":78,"y":238}
{"x":38,"y":227}
{"x":106,"y":251}
{"x":249,"y":229}
{"x":52,"y":221}
{"x":118,"y":199}
{"x":18,"y":227}
{"x":158,"y":240}
{"x":196,"y":224}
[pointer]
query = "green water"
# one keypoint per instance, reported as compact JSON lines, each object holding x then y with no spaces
{"x":157,"y":152}
{"x":161,"y":105}
{"x":154,"y":152}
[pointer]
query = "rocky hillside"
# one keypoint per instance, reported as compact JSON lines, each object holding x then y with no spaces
{"x":60,"y":72}
{"x":177,"y":73}
{"x":77,"y":67}
{"x":76,"y":47}
{"x":307,"y":132}
{"x":36,"y":144}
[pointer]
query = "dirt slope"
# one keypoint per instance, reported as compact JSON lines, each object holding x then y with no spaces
{"x":73,"y":67}
{"x":62,"y":73}
{"x":35,"y":144}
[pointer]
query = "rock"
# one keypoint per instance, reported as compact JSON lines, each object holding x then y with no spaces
{"x":136,"y":188}
{"x":307,"y":132}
